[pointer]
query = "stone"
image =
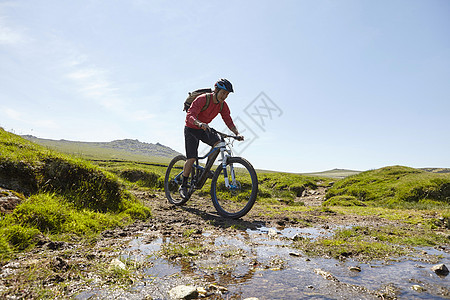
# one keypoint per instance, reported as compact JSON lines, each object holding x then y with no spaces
{"x":117,"y":264}
{"x":418,"y":288}
{"x":214,"y":287}
{"x":183,"y":292}
{"x":297,"y":237}
{"x":272,"y":232}
{"x":440,"y":270}
{"x":355,"y":268}
{"x":326,"y":275}
{"x":201,"y":291}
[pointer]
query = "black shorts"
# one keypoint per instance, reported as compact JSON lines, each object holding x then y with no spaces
{"x":193,"y":136}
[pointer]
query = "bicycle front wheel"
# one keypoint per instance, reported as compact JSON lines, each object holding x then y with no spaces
{"x":237,"y":198}
{"x":173,"y":180}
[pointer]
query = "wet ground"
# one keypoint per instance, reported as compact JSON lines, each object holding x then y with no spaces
{"x":229,"y":259}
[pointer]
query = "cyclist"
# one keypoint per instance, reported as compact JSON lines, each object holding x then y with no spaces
{"x":197,"y":128}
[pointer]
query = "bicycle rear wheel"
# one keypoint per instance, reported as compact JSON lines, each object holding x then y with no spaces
{"x":173,"y":179}
{"x":236,"y":200}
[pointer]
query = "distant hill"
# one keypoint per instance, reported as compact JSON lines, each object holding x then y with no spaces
{"x":436,"y":170}
{"x":126,"y":149}
{"x":343,"y":173}
{"x":335,"y":173}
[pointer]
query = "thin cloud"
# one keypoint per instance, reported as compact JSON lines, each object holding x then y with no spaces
{"x":93,"y":83}
{"x":9,"y":35}
{"x":12,"y":114}
{"x":28,"y":120}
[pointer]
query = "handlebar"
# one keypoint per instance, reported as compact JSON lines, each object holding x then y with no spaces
{"x":224,"y":135}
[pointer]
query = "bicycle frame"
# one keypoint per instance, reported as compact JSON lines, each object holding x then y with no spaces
{"x":200,"y":176}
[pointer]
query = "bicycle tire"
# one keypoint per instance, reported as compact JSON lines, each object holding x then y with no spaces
{"x":171,"y":185}
{"x":237,"y":201}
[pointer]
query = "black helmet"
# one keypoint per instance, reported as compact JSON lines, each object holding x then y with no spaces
{"x":224,"y":84}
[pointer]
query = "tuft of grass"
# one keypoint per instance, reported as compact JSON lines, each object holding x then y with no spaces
{"x":172,"y":250}
{"x":17,"y":237}
{"x":395,"y":187}
{"x":189,"y":232}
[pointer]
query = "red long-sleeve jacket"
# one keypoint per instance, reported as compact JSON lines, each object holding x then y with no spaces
{"x":209,"y":114}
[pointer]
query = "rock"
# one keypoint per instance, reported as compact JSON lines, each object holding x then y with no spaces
{"x":183,"y":292}
{"x":440,"y":270}
{"x":117,"y":264}
{"x":272,"y":232}
{"x":296,"y":254}
{"x":297,"y":237}
{"x":58,"y":245}
{"x":214,"y":287}
{"x":201,"y":292}
{"x":8,"y":201}
{"x":326,"y":275}
{"x":58,"y":264}
{"x":355,"y":268}
{"x":418,"y":288}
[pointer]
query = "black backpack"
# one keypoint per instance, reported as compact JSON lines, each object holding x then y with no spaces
{"x":195,"y":94}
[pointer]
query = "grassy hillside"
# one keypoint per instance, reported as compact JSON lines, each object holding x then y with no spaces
{"x":394,"y":186}
{"x":61,"y":195}
{"x":127,"y":149}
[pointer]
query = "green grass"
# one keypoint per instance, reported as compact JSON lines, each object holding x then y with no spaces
{"x":368,"y":243}
{"x":285,"y":187}
{"x":394,"y":186}
{"x":137,"y":174}
{"x":63,"y":196}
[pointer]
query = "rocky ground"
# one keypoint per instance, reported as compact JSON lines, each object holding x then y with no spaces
{"x":192,"y":250}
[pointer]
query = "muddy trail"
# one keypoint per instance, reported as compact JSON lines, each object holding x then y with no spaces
{"x":191,"y":252}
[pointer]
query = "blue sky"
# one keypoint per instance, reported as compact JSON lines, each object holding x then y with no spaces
{"x":318,"y":84}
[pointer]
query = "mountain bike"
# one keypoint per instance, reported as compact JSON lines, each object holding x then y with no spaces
{"x":234,"y":184}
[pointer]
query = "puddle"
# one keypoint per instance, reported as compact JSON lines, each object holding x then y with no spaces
{"x":259,"y":263}
{"x":290,"y":232}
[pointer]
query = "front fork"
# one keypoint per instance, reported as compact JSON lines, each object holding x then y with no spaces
{"x":225,"y":155}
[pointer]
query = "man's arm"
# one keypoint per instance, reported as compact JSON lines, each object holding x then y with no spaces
{"x":226,"y":116}
{"x":234,"y":130}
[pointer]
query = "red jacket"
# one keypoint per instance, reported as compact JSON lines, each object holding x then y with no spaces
{"x":209,"y":114}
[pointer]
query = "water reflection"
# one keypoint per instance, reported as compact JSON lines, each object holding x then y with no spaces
{"x":257,"y":263}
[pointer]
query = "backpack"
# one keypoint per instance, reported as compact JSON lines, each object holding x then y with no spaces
{"x":195,"y":94}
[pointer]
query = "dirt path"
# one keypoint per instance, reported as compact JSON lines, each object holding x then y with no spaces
{"x":199,"y":212}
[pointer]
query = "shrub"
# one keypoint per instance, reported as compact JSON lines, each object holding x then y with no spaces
{"x":343,"y":200}
{"x":18,"y":236}
{"x":143,"y":178}
{"x":394,"y":186}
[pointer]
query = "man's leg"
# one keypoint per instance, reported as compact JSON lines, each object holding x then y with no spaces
{"x":186,"y":171}
{"x":188,"y":166}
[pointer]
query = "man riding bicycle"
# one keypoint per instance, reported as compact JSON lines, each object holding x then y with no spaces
{"x":197,"y":128}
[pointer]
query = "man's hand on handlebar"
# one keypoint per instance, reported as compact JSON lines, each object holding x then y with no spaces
{"x":240,"y":137}
{"x":203,"y":126}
